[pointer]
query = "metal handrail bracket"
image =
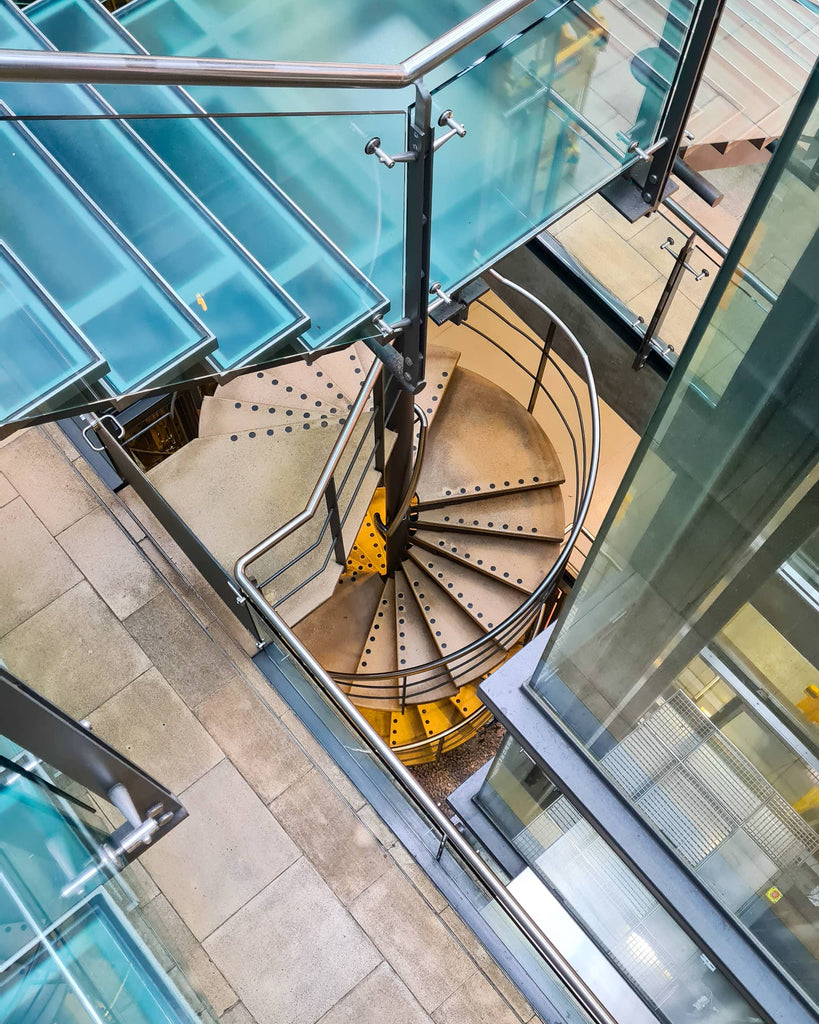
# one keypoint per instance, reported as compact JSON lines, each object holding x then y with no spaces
{"x":48,"y":66}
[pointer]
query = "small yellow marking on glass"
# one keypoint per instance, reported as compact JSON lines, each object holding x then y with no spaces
{"x":773,"y":894}
{"x":201,"y":300}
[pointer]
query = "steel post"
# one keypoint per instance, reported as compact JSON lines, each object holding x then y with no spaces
{"x":678,"y":108}
{"x":412,"y":342}
{"x":666,"y":298}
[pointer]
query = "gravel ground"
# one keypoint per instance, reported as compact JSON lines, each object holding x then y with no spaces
{"x":442,"y":777}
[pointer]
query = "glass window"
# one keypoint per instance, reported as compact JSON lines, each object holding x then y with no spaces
{"x":574,"y":878}
{"x":687,"y":658}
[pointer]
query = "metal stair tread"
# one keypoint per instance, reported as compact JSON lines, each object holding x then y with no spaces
{"x":227,"y":416}
{"x":353,"y":507}
{"x":485,"y":599}
{"x":252,"y":484}
{"x":292,"y":383}
{"x":451,"y":627}
{"x":511,"y":560}
{"x":334,"y":632}
{"x":537,"y":514}
{"x":415,"y":646}
{"x":378,"y":653}
{"x":469,"y":448}
{"x":438,"y":370}
{"x":343,"y":368}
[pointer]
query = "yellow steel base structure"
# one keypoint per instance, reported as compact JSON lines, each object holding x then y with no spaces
{"x":421,"y":732}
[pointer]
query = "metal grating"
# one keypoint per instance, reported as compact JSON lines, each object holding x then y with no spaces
{"x":564,"y":814}
{"x":538,"y":836}
{"x":645,"y":960}
{"x":730,"y":776}
{"x":681,"y":808}
{"x":678,"y":724}
{"x":781,"y":833}
{"x":621,"y":884}
{"x":637,"y":761}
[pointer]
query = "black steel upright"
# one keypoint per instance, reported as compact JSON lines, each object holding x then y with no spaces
{"x":48,"y":733}
{"x":412,"y":342}
{"x":678,"y":108}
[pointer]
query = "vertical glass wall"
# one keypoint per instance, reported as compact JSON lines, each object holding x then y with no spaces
{"x":74,"y":947}
{"x":687,"y":660}
{"x":574,"y":877}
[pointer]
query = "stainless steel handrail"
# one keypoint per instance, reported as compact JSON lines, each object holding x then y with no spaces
{"x":400,"y":774}
{"x":46,"y":66}
{"x":567,"y":974}
{"x":416,"y":472}
{"x":315,"y":499}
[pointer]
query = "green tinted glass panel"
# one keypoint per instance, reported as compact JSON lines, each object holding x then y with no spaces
{"x":687,"y":660}
{"x":89,"y":269}
{"x":248,"y":203}
{"x":44,"y":358}
{"x":242,"y":306}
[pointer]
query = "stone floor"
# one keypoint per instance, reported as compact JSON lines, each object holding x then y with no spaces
{"x":283,"y":898}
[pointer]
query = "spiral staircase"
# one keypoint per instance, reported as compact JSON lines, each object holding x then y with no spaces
{"x":486,"y":526}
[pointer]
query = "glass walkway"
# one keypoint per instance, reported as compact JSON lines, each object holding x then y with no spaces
{"x":176,"y":247}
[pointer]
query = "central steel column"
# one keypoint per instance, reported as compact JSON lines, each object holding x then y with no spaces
{"x":412,"y":342}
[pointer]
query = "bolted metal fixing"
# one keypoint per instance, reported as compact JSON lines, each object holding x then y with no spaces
{"x":446,"y":120}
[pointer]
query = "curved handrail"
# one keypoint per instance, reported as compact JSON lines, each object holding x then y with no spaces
{"x":313,"y":502}
{"x":416,"y":472}
{"x":506,"y":629}
{"x":46,"y":66}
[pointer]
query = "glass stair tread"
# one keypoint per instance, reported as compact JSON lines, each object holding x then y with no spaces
{"x":91,"y":271}
{"x":521,"y":163}
{"x":241,"y":304}
{"x":288,"y":245}
{"x":46,"y":359}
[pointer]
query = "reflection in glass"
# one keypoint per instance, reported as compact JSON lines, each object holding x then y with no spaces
{"x":687,"y":660}
{"x":70,"y":952}
{"x":625,"y":925}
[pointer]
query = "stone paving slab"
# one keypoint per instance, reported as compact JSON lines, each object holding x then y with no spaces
{"x":293,"y":951}
{"x":381,"y":998}
{"x":475,"y":1002}
{"x":111,"y":562}
{"x":34,"y":570}
{"x":326,"y":829}
{"x":75,"y":652}
{"x":254,"y":741}
{"x":180,"y":648}
{"x":223,"y":854}
{"x":153,"y":727}
{"x":201,"y":972}
{"x":7,"y":492}
{"x":39,"y":472}
{"x":479,"y":954}
{"x":413,"y":939}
